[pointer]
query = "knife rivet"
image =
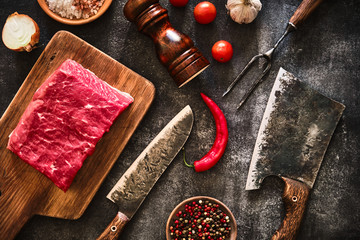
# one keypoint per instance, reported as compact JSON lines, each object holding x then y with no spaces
{"x":294,"y":199}
{"x":113,"y":228}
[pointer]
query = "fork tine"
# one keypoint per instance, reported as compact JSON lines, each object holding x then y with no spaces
{"x":242,"y":73}
{"x":255,"y":83}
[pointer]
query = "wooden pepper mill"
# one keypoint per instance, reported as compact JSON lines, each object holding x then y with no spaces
{"x":174,"y":49}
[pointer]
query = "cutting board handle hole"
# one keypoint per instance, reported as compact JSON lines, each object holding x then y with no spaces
{"x":113,"y":228}
{"x":0,"y":193}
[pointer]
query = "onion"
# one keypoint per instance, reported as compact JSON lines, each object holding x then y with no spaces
{"x":20,"y":33}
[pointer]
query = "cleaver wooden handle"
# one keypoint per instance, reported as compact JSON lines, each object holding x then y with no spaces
{"x":303,"y":11}
{"x":294,"y":197}
{"x":114,"y":229}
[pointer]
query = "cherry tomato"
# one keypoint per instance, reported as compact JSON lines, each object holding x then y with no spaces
{"x":205,"y":12}
{"x":179,"y":3}
{"x":222,"y":51}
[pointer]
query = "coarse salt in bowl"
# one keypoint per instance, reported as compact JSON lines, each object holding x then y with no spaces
{"x":65,"y":12}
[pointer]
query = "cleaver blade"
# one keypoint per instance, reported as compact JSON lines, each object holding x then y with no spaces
{"x":294,"y":134}
{"x":135,"y":184}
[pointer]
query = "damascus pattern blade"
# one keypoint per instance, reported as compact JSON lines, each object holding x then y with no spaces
{"x":135,"y":184}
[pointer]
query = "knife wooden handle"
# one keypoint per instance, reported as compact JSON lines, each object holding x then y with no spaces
{"x":294,"y":197}
{"x":303,"y":11}
{"x":114,"y":229}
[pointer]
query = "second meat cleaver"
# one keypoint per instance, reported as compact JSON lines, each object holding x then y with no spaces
{"x":294,"y":134}
{"x":135,"y":184}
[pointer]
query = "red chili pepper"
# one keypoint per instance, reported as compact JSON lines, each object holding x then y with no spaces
{"x":221,"y":139}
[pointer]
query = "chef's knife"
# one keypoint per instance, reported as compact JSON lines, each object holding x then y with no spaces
{"x":135,"y":184}
{"x":294,"y":134}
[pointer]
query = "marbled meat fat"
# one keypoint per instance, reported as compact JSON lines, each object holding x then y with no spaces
{"x":67,"y":116}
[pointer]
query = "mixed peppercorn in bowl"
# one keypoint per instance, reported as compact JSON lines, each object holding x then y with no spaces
{"x":201,"y":217}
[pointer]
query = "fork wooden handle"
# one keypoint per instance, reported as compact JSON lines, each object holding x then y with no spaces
{"x":303,"y":11}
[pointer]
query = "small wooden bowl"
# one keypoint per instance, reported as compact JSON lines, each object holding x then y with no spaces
{"x":68,"y":21}
{"x":181,"y":207}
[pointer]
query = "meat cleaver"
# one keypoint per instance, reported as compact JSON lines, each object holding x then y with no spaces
{"x":135,"y":184}
{"x":294,"y":134}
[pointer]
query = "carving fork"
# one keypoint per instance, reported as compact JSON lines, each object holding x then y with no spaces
{"x":302,"y":12}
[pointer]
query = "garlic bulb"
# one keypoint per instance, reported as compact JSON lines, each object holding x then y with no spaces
{"x":243,"y":11}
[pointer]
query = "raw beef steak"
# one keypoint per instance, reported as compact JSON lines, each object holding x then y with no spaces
{"x":67,"y":116}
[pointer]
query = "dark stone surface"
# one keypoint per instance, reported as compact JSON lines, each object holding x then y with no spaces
{"x":324,"y":52}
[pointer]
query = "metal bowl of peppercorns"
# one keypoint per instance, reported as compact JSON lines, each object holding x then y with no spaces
{"x":201,"y":217}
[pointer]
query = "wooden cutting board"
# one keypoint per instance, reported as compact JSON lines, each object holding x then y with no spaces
{"x":24,"y":191}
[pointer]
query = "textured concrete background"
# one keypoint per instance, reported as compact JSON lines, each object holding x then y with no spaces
{"x":324,"y":52}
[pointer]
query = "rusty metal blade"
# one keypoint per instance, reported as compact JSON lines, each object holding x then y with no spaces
{"x":135,"y":184}
{"x":294,"y":134}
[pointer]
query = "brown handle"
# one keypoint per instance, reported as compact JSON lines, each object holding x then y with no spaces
{"x":303,"y":11}
{"x":294,"y":197}
{"x":114,"y":229}
{"x":175,"y":50}
{"x":16,"y":203}
{"x":12,"y":219}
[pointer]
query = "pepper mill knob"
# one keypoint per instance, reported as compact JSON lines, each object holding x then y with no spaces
{"x":174,"y":49}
